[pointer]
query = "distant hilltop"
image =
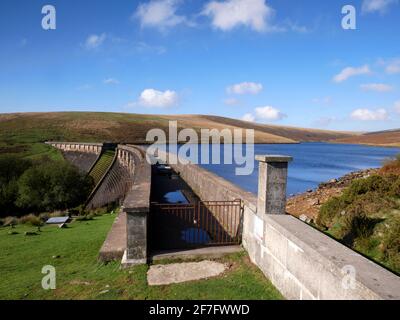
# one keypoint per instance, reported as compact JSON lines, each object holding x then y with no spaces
{"x":132,"y":128}
{"x":389,"y":138}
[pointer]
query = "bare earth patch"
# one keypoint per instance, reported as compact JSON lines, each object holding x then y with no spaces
{"x":308,"y":204}
{"x":182,"y":272}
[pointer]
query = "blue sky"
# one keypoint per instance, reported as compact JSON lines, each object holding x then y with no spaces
{"x":276,"y":61}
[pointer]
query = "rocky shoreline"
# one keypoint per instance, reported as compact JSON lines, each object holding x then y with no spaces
{"x":306,"y":206}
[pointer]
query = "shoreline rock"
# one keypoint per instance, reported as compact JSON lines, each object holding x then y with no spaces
{"x":306,"y":206}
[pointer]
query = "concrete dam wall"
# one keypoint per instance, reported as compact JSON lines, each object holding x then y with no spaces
{"x":126,"y":181}
{"x":117,"y":179}
{"x":302,"y":262}
{"x":81,"y":155}
{"x":130,"y":176}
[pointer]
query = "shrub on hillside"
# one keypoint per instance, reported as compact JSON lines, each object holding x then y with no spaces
{"x":52,"y":186}
{"x":359,"y":187}
{"x":329,"y":211}
{"x":359,"y":225}
{"x":363,"y":197}
{"x":391,"y":166}
{"x":391,"y":246}
{"x":99,"y":211}
{"x":36,"y":222}
{"x":11,"y":168}
{"x":395,"y":190}
{"x":364,"y":218}
{"x":112,"y":206}
{"x":86,"y":217}
{"x":10,"y":222}
{"x":58,"y":213}
{"x":44,"y":216}
{"x":27,"y":219}
{"x":39,"y":185}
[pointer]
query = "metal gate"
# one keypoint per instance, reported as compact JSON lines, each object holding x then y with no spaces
{"x":205,"y":223}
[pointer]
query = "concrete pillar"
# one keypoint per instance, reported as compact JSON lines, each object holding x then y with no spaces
{"x":136,"y":232}
{"x":272,"y":181}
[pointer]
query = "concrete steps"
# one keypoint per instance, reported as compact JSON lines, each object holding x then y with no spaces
{"x":102,"y":165}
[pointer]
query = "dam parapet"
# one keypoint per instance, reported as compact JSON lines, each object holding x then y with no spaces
{"x":302,"y":262}
{"x":129,"y":183}
{"x":81,"y":155}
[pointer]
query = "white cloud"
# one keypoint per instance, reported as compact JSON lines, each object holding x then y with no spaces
{"x":377,"y":87}
{"x":381,"y":6}
{"x":111,"y":81}
{"x":249,"y":117}
{"x":94,"y":41}
{"x":152,"y":98}
{"x":348,"y":72}
{"x":369,"y":115}
{"x":393,"y":67}
{"x":229,"y":14}
{"x":159,"y":14}
{"x":264,"y":113}
{"x":245,"y":88}
{"x":269,"y":113}
{"x":397,"y":106}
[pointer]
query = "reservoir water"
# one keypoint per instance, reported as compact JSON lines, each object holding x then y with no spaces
{"x":313,"y":163}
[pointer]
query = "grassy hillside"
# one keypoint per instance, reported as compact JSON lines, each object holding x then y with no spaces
{"x":21,"y":132}
{"x":366,"y":216}
{"x":298,"y":134}
{"x":384,"y":138}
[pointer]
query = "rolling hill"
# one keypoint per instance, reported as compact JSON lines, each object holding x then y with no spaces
{"x":87,"y":126}
{"x":389,"y":138}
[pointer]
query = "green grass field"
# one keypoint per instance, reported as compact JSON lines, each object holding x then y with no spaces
{"x":73,"y":252}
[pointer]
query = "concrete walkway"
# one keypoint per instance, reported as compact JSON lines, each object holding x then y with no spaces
{"x":205,"y":253}
{"x":182,"y":272}
{"x":115,"y":244}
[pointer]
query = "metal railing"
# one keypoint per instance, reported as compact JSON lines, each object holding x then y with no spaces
{"x":205,"y":223}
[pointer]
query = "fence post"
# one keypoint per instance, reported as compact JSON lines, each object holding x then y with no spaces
{"x":272,"y":181}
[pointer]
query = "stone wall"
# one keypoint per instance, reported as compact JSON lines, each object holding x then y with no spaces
{"x":81,"y":155}
{"x":129,"y":182}
{"x":136,"y":206}
{"x":300,"y":261}
{"x":112,"y":188}
{"x":305,"y":264}
{"x":118,"y":180}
